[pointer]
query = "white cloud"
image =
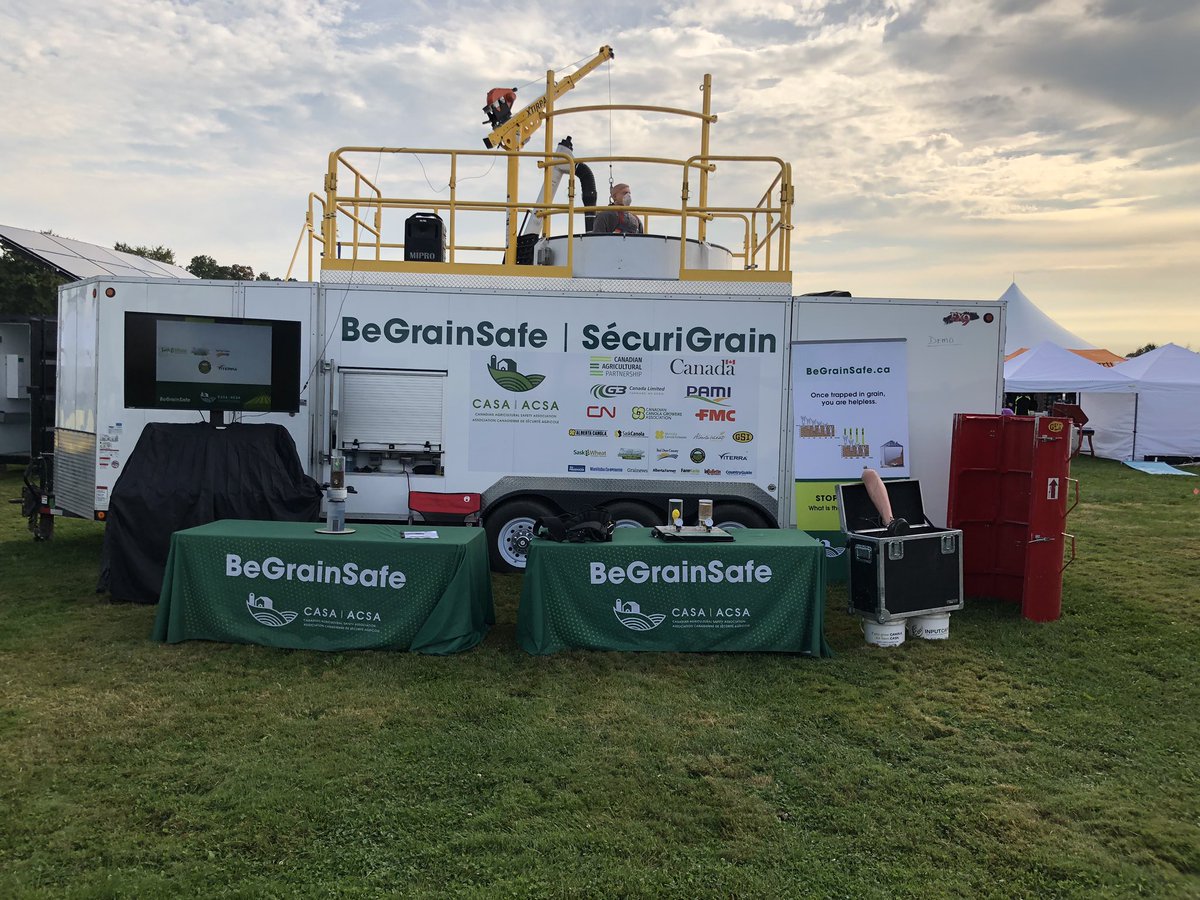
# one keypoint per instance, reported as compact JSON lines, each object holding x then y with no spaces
{"x":938,"y":146}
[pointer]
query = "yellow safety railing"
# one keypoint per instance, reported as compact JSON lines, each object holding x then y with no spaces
{"x":353,"y":226}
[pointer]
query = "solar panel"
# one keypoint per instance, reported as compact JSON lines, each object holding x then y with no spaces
{"x":78,"y":259}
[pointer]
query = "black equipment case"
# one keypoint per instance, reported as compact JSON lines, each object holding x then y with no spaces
{"x":898,"y":576}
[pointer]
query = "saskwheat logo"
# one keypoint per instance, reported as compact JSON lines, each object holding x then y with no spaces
{"x":631,"y":616}
{"x":264,"y":612}
{"x":504,"y":373}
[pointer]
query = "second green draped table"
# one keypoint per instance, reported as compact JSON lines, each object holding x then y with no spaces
{"x":763,"y":591}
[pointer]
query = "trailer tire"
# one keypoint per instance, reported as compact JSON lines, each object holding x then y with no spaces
{"x":735,"y":515}
{"x":509,"y":529}
{"x":630,"y":514}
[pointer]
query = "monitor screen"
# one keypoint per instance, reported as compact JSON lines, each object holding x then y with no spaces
{"x":211,"y":363}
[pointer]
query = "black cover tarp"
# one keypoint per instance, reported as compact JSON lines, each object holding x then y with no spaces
{"x":180,"y":476}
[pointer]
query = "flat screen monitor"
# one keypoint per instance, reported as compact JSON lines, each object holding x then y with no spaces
{"x":210,"y":363}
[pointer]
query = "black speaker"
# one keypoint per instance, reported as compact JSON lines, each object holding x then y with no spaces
{"x":424,"y":238}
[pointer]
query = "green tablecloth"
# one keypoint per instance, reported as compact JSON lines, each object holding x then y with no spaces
{"x":763,"y":591}
{"x":283,"y":585}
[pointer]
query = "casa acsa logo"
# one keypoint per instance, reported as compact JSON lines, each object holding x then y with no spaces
{"x":607,"y":391}
{"x":631,"y":616}
{"x":716,"y":394}
{"x":704,"y":414}
{"x":504,"y":373}
{"x":264,"y":612}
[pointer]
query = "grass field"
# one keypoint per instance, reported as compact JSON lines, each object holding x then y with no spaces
{"x":1015,"y":760}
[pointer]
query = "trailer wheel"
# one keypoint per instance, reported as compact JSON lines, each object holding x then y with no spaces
{"x":628,"y":514}
{"x":735,"y":515}
{"x":509,"y":530}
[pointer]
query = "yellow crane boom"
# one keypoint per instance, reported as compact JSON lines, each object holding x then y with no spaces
{"x":516,"y":132}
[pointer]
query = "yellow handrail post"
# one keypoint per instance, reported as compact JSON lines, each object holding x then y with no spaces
{"x":706,"y":88}
{"x":329,"y":221}
{"x":453,"y":197}
{"x":548,"y":171}
{"x":510,"y":246}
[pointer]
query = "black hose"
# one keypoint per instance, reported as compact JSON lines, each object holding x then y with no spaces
{"x":587,"y":182}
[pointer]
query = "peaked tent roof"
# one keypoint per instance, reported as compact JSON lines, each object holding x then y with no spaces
{"x":1028,"y":326}
{"x":1103,"y":357}
{"x":1048,"y":368}
{"x":1169,"y":366}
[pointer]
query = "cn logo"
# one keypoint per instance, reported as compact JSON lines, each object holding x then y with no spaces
{"x":602,"y":412}
{"x":716,"y":415}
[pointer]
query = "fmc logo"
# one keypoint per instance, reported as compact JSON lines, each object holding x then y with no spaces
{"x":504,"y":373}
{"x":716,"y":415}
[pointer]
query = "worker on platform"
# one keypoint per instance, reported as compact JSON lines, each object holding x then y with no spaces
{"x":616,"y":220}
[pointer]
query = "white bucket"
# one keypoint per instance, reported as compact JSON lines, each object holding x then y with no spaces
{"x":888,"y":634}
{"x":930,"y":628}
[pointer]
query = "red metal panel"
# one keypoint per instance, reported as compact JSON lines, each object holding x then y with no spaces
{"x":1042,"y":597}
{"x":443,"y":504}
{"x":990,"y":462}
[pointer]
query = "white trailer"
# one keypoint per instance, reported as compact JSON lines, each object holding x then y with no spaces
{"x":558,"y":367}
{"x":94,"y":431}
{"x":545,"y":398}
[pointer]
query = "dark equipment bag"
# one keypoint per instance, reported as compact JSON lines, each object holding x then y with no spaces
{"x":593,"y":525}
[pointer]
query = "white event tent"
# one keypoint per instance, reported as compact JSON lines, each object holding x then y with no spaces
{"x":1048,"y":368}
{"x":1027,"y":326}
{"x":1161,"y":419}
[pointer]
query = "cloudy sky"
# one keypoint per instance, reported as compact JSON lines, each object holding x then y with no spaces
{"x":939,"y":146}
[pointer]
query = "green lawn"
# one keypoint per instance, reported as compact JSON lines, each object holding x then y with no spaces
{"x":1013,"y":760}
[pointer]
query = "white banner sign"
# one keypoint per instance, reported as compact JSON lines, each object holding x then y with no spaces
{"x":850,"y":402}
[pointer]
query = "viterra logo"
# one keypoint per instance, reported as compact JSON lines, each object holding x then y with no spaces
{"x":504,"y":373}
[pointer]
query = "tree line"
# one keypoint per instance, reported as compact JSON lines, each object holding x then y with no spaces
{"x":30,"y":287}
